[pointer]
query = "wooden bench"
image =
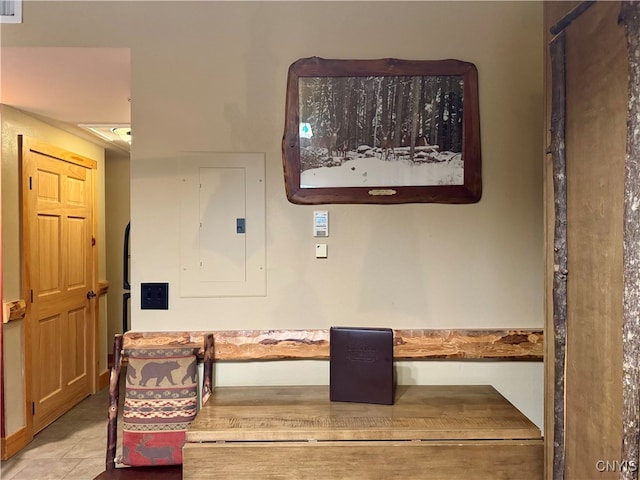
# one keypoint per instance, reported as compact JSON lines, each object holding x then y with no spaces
{"x":297,"y":433}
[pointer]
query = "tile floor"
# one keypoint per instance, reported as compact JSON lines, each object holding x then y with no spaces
{"x":71,"y":448}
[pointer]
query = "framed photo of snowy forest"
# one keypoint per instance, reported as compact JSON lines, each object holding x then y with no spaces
{"x":382,"y":131}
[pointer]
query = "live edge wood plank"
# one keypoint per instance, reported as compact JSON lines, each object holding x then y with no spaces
{"x":15,"y":310}
{"x":560,"y":246}
{"x":416,"y":344}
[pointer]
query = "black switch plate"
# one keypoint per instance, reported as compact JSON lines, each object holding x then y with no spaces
{"x":155,"y":296}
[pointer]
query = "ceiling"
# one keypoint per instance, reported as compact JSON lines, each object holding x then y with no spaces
{"x":67,"y":87}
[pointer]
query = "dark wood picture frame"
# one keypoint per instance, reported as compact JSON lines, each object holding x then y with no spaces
{"x":355,"y":132}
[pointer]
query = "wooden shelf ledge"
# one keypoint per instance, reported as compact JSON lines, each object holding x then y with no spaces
{"x":416,"y":344}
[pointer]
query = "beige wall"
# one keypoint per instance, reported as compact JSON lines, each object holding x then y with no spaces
{"x":210,"y":76}
{"x":14,"y":123}
{"x":117,"y":203}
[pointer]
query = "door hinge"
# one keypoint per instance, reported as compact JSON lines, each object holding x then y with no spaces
{"x":93,"y":241}
{"x":33,"y":408}
{"x":31,"y":296}
{"x":30,"y":183}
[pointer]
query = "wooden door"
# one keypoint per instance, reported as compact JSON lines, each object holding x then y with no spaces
{"x":58,"y":278}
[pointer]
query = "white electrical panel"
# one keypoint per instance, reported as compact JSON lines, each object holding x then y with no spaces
{"x":222,"y":225}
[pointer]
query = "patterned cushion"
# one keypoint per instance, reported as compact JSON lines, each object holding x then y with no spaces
{"x":160,"y":402}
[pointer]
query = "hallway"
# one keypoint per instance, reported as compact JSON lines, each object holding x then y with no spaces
{"x":71,"y":448}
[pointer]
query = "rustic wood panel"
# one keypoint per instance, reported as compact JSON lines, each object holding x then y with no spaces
{"x":241,"y":345}
{"x":489,"y":460}
{"x":630,"y":16}
{"x":596,"y":96}
{"x":15,"y":310}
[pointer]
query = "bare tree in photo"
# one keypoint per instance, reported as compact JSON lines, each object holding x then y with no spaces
{"x":415,"y":119}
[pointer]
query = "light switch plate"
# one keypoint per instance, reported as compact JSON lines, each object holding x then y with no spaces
{"x":154,"y":296}
{"x":321,"y":250}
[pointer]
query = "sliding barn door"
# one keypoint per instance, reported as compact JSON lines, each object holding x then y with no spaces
{"x":586,"y":408}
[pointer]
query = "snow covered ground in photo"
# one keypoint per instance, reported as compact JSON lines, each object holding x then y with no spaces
{"x":374,"y":171}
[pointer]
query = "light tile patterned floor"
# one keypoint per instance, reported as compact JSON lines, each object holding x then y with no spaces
{"x":71,"y":448}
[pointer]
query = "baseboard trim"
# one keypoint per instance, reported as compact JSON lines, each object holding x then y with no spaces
{"x":13,"y":443}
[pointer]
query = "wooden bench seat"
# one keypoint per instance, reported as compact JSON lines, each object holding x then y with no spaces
{"x":296,"y":433}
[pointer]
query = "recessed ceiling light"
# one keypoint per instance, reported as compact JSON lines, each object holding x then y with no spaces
{"x":123,"y":132}
{"x":111,"y":133}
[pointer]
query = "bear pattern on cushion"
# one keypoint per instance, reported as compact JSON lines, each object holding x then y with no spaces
{"x":159,"y":371}
{"x":160,"y":403}
{"x":192,"y":373}
{"x":131,"y":374}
